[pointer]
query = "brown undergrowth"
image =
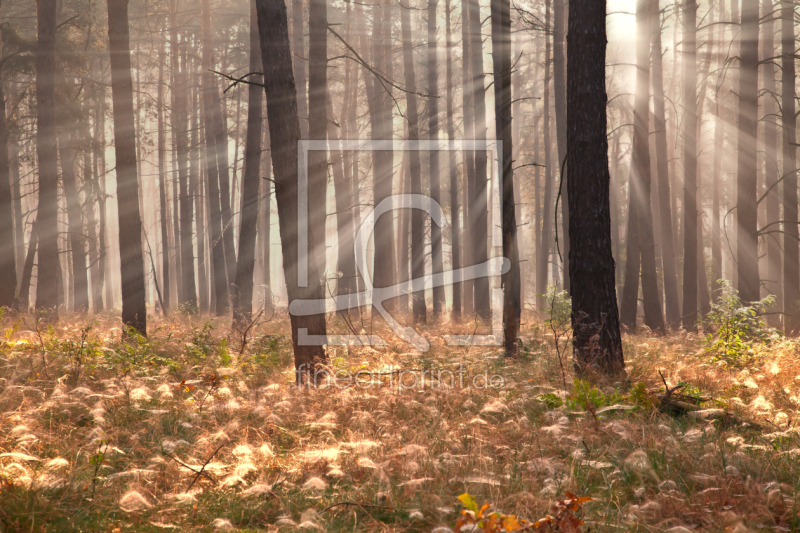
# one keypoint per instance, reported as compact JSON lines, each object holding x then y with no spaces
{"x":187,"y":431}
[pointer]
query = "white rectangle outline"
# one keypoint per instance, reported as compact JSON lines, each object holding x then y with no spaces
{"x":495,"y":146}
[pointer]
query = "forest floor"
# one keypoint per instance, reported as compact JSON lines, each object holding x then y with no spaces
{"x":97,"y":434}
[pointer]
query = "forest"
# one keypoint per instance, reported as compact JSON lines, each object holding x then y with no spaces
{"x":412,"y":265}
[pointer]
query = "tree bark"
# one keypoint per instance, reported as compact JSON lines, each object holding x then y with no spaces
{"x":8,"y":262}
{"x":455,"y":226}
{"x":80,"y":288}
{"x":791,"y":249}
{"x":134,"y":313}
{"x":773,"y":281}
{"x":27,"y":269}
{"x":418,"y":306}
{"x":162,"y":183}
{"x":478,"y":195}
{"x":284,"y":127}
{"x":746,"y":181}
{"x":299,"y":65}
{"x":547,"y":213}
{"x":218,"y":251}
{"x":690,"y":166}
{"x":46,"y":149}
{"x":595,"y":320}
{"x":501,"y":59}
{"x":243,"y":289}
{"x":560,"y":98}
{"x":468,"y":249}
{"x":437,"y":261}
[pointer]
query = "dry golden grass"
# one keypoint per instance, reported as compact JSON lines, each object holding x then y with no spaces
{"x":93,"y":432}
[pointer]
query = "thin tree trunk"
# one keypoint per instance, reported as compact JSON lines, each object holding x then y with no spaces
{"x":243,"y":289}
{"x":417,"y":217}
{"x":162,"y":183}
{"x":595,"y":320}
{"x":547,"y":213}
{"x":221,"y":142}
{"x":186,"y":249}
{"x":299,"y":65}
{"x":791,"y":251}
{"x":560,"y":98}
{"x":317,"y":130}
{"x":46,"y":149}
{"x":27,"y":269}
{"x":437,"y":261}
{"x":178,"y":118}
{"x":134,"y":313}
{"x":284,"y":128}
{"x":455,"y":226}
{"x":479,"y":197}
{"x":467,"y":155}
{"x":13,"y":161}
{"x":773,"y":281}
{"x":80,"y":280}
{"x":8,"y":263}
{"x":96,"y":290}
{"x":100,"y":190}
{"x":501,"y":56}
{"x":690,"y":166}
{"x":196,"y":192}
{"x":746,"y":189}
{"x":266,"y":216}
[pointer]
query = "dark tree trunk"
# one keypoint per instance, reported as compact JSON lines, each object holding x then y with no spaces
{"x":80,"y":287}
{"x":690,"y":166}
{"x":284,"y":127}
{"x":417,"y":216}
{"x":595,"y":320}
{"x":547,"y":214}
{"x":46,"y":149}
{"x":186,"y":249}
{"x":791,"y":275}
{"x":455,"y":226}
{"x":223,"y":167}
{"x":501,"y":60}
{"x":196,"y":192}
{"x":14,"y":177}
{"x":478,"y":208}
{"x":468,"y":249}
{"x":243,"y":289}
{"x":162,"y":183}
{"x":664,"y":194}
{"x":8,"y":263}
{"x":178,"y":147}
{"x":437,"y":261}
{"x":134,"y":312}
{"x":266,"y":224}
{"x":220,"y":277}
{"x":299,"y":65}
{"x":746,"y":182}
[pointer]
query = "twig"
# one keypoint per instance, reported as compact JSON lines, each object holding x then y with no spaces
{"x":204,"y":465}
{"x":204,"y":474}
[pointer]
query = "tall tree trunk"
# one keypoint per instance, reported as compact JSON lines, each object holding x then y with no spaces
{"x":8,"y":263}
{"x":74,"y":219}
{"x":479,"y":199}
{"x":344,"y":214}
{"x":46,"y":149}
{"x":243,"y":289}
{"x":284,"y":128}
{"x":178,"y":118}
{"x":560,"y":98}
{"x":100,"y":191}
{"x":14,"y":177}
{"x":437,"y":260}
{"x":162,"y":183}
{"x":690,"y":166}
{"x":468,"y":156}
{"x":384,"y":265}
{"x":196,"y":192}
{"x":317,"y":130}
{"x":547,"y":213}
{"x":501,"y":56}
{"x":266,"y":224}
{"x":218,"y":251}
{"x":96,"y":290}
{"x":299,"y":65}
{"x":134,"y":313}
{"x":186,"y":249}
{"x":746,"y":182}
{"x":640,"y":221}
{"x":664,"y":194}
{"x":221,"y":143}
{"x":773,"y":281}
{"x":595,"y":320}
{"x":455,"y":226}
{"x":417,"y":217}
{"x":791,"y":274}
